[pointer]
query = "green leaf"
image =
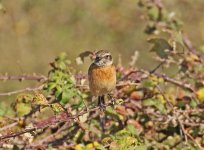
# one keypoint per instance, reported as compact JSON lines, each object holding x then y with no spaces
{"x":67,"y":95}
{"x":58,"y":92}
{"x":149,"y":102}
{"x":156,"y":103}
{"x":22,"y":109}
{"x":181,"y":104}
{"x":179,"y":38}
{"x":51,"y":86}
{"x":142,"y":147}
{"x":2,"y":109}
{"x":201,"y":48}
{"x":153,"y":13}
{"x":160,"y":47}
{"x":110,"y":112}
{"x":131,"y":129}
{"x":194,"y":103}
{"x":15,"y":147}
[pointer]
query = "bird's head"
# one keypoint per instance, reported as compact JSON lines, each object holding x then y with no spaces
{"x":103,"y":58}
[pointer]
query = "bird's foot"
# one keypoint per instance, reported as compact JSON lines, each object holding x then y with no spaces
{"x":102,"y":107}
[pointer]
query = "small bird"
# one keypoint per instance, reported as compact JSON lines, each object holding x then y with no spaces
{"x":102,"y":77}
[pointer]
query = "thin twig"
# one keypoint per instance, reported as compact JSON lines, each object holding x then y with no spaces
{"x":181,"y":84}
{"x":23,"y":77}
{"x":52,"y":120}
{"x":196,"y":143}
{"x":157,"y":67}
{"x":190,"y":47}
{"x":16,"y":134}
{"x":166,"y":78}
{"x":22,"y":90}
{"x":183,"y":131}
{"x":8,"y":126}
{"x":162,"y":93}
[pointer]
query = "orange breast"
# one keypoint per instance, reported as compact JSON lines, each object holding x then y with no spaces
{"x":102,"y":80}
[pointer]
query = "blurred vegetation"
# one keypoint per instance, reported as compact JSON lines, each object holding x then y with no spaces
{"x":34,"y":32}
{"x":149,"y":113}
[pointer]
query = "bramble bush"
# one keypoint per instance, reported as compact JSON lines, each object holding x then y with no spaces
{"x":160,"y":108}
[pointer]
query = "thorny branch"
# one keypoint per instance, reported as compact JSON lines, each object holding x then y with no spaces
{"x":145,"y":73}
{"x":181,"y":118}
{"x":50,"y":121}
{"x":166,"y":78}
{"x":190,"y":47}
{"x":23,"y":77}
{"x":22,"y":90}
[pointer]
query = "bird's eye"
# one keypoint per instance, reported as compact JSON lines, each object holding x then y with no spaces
{"x":108,"y":57}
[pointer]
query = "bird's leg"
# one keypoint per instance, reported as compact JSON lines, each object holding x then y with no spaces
{"x":103,"y":100}
{"x":112,"y":100}
{"x":102,"y":121}
{"x":101,"y":103}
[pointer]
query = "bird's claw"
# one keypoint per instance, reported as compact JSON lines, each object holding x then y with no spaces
{"x":102,"y":107}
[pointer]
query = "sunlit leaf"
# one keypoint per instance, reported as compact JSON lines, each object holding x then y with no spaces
{"x":179,"y":38}
{"x":22,"y":109}
{"x":40,"y":99}
{"x":131,"y":129}
{"x":156,"y":103}
{"x":84,"y":117}
{"x":200,"y":94}
{"x":66,"y":95}
{"x":56,"y":107}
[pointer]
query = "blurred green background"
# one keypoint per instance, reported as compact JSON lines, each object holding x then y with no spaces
{"x":34,"y":32}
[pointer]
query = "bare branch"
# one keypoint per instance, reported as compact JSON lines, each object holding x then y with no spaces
{"x":16,"y":134}
{"x":23,"y":77}
{"x":8,"y":126}
{"x":20,"y":91}
{"x":50,"y":121}
{"x":181,"y":84}
{"x":166,"y":78}
{"x":190,"y":47}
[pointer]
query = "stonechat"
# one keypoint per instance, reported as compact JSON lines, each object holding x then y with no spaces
{"x":102,"y":77}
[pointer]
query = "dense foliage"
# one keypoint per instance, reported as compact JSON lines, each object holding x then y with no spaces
{"x":160,"y":108}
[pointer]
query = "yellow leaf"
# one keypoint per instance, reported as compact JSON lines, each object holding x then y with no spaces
{"x":78,"y":147}
{"x":96,"y":144}
{"x":40,"y":99}
{"x":89,"y":146}
{"x":57,"y":107}
{"x":200,"y":94}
